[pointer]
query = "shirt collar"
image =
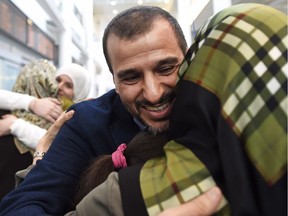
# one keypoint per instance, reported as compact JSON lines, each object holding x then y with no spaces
{"x":140,"y":123}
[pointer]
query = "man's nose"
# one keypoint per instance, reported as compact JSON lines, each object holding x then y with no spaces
{"x":152,"y":90}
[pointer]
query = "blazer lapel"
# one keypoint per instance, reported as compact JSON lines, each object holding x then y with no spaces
{"x":123,"y":127}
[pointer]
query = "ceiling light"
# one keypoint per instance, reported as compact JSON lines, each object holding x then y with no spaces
{"x":113,"y":2}
{"x":115,"y":12}
{"x":140,"y":2}
{"x":29,"y":22}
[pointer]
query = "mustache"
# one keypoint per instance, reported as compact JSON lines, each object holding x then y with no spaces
{"x":167,"y":96}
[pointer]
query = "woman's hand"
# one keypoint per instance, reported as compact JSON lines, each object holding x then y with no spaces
{"x":46,"y":141}
{"x":5,"y":124}
{"x":204,"y":205}
{"x":48,"y":108}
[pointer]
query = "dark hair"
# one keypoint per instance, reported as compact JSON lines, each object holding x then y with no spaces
{"x":141,"y":148}
{"x":138,"y":20}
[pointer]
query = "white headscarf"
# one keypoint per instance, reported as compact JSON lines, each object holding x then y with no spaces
{"x":80,"y":78}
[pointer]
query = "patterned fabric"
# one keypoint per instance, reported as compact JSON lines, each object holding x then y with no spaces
{"x":36,"y":79}
{"x":254,"y":92}
{"x":180,"y":173}
{"x":240,"y":58}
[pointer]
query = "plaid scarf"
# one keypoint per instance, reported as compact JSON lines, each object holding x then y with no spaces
{"x":229,"y":122}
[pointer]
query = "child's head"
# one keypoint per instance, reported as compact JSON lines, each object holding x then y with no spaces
{"x":141,"y":148}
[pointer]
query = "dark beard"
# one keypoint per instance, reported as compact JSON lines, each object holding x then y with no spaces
{"x":165,"y":97}
{"x":156,"y":131}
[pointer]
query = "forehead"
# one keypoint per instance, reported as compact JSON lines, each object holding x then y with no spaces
{"x":64,"y":78}
{"x":153,"y":46}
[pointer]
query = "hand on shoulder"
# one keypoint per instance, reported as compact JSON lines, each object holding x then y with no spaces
{"x":46,"y":141}
{"x":204,"y":205}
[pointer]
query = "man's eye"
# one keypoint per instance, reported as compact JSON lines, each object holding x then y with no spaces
{"x":130,"y":80}
{"x":168,"y":69}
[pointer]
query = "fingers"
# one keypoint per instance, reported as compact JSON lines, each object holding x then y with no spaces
{"x":5,"y":116}
{"x":204,"y":205}
{"x":51,"y":119}
{"x":55,"y":110}
{"x":9,"y":116}
{"x":64,"y":117}
{"x":5,"y":123}
{"x":56,"y":101}
{"x":208,"y":203}
{"x":48,"y":108}
{"x":46,"y":141}
{"x":54,"y":114}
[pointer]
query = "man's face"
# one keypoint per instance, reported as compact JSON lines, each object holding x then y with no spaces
{"x":145,"y":73}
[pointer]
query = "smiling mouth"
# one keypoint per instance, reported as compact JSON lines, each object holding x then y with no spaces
{"x":159,"y":107}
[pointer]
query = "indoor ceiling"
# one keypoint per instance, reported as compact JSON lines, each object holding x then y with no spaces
{"x":278,"y":4}
{"x":107,"y":7}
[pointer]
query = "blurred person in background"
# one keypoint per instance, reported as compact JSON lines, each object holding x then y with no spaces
{"x":37,"y":79}
{"x":73,"y":85}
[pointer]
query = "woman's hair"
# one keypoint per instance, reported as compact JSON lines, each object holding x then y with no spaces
{"x":141,"y":148}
